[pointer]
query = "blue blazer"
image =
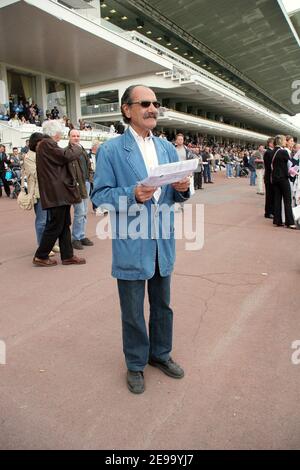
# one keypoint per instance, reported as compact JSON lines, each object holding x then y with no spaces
{"x":120,"y":166}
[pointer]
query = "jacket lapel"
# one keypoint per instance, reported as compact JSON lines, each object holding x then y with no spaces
{"x":136,"y":161}
{"x":134,"y":157}
{"x":163,"y":158}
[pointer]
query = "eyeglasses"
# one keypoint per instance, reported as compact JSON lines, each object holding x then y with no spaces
{"x":146,"y":104}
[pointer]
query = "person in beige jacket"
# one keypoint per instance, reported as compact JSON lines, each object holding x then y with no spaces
{"x":33,"y":188}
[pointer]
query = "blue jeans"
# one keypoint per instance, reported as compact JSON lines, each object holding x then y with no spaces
{"x":40,"y":220}
{"x":228,"y":170}
{"x":137,"y":346}
{"x":80,"y":216}
{"x":252,"y":178}
{"x":206,"y":173}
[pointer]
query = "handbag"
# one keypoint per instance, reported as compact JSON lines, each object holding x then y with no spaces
{"x":293,"y":171}
{"x":296,"y":213}
{"x":24,"y":200}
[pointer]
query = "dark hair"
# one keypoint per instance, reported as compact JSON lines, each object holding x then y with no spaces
{"x":179,"y":134}
{"x":270,"y":140}
{"x":34,"y":139}
{"x":289,"y":137}
{"x":126,"y":98}
{"x":15,"y":148}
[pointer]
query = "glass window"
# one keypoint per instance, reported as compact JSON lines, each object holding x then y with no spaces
{"x":21,"y":88}
{"x":57,"y":95}
{"x":101,"y":102}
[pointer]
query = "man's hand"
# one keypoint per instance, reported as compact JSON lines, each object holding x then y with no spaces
{"x":182,"y":186}
{"x":144,"y":193}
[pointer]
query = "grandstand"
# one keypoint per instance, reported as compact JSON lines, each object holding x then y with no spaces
{"x":224,"y":71}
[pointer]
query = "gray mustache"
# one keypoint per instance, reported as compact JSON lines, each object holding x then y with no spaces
{"x":150,"y":115}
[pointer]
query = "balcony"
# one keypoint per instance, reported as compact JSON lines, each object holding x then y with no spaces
{"x":96,"y":109}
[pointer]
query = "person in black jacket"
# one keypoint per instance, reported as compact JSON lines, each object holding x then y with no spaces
{"x":269,"y":203}
{"x":4,"y":160}
{"x":281,"y":184}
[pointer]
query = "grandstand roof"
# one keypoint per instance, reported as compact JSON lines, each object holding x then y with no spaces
{"x":295,"y":18}
{"x":252,"y":42}
{"x":47,"y":38}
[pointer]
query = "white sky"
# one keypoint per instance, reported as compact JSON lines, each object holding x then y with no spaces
{"x":291,"y":5}
{"x":295,"y":120}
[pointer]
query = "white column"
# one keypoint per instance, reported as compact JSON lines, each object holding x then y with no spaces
{"x":4,"y":92}
{"x":41,"y":93}
{"x":74,"y":111}
{"x":122,"y":89}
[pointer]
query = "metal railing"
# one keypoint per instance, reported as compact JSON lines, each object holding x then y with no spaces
{"x":87,"y":110}
{"x":97,"y":127}
{"x":15,"y":136}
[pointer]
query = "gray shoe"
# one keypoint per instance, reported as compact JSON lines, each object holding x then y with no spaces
{"x":169,"y":367}
{"x":135,"y":381}
{"x":77,"y":245}
{"x":86,"y":242}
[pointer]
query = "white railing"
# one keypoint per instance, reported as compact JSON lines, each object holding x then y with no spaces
{"x":170,"y":114}
{"x":97,"y":127}
{"x":106,"y":108}
{"x":16,"y":136}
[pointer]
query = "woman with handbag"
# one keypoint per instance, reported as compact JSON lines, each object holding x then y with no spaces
{"x":33,"y":188}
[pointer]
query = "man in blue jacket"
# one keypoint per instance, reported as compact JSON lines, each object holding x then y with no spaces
{"x":122,"y":163}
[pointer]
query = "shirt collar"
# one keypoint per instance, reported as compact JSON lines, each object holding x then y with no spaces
{"x":138,"y":137}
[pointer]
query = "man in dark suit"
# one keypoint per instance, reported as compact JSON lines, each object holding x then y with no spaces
{"x":268,"y":155}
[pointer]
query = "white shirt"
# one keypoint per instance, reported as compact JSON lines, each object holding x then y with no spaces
{"x":148,"y":151}
{"x":181,"y":152}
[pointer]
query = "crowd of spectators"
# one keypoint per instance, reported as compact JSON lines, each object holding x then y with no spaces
{"x":273,"y":169}
{"x":234,"y":159}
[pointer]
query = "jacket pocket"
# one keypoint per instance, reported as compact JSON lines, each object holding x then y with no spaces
{"x":127,"y":254}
